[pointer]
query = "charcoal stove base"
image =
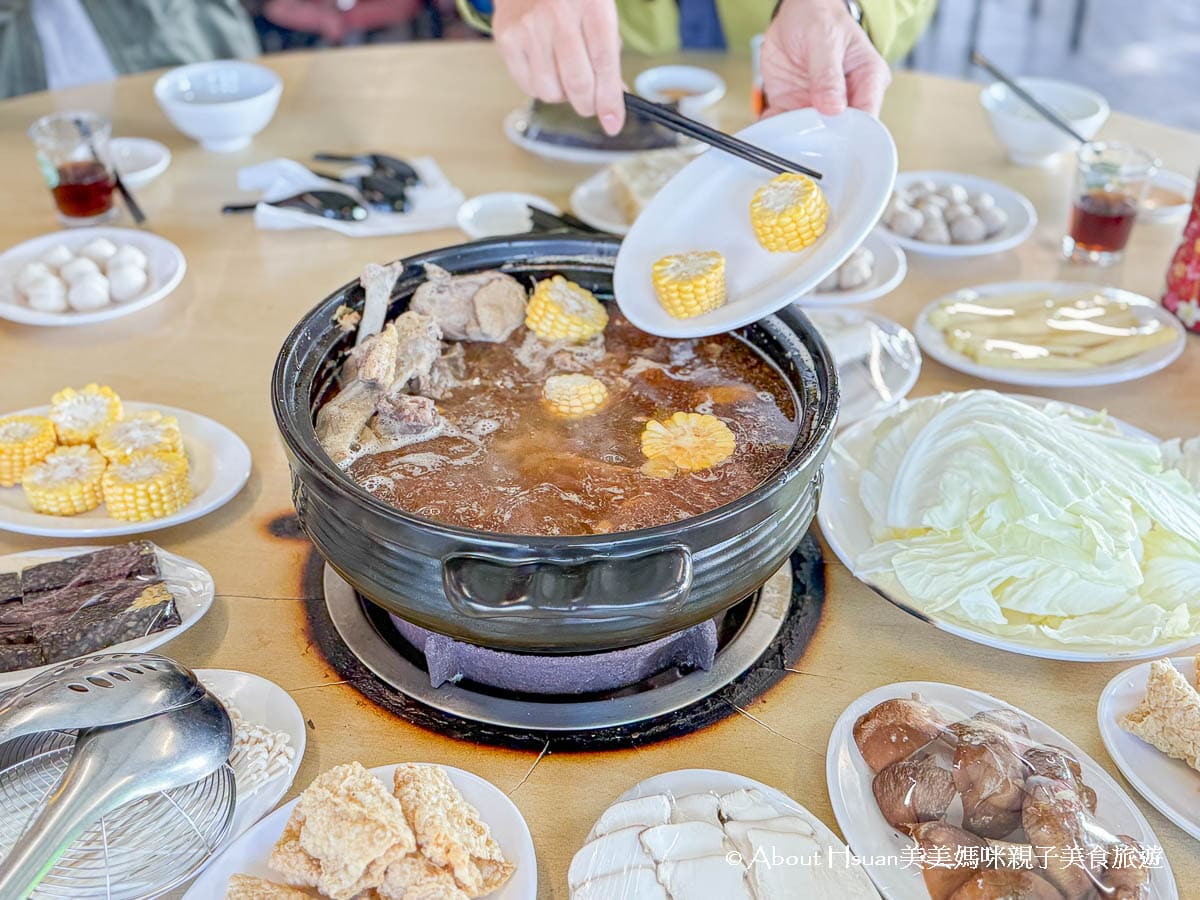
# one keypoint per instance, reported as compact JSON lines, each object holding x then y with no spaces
{"x":364,"y":646}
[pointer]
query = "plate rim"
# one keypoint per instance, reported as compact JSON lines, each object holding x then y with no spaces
{"x":833,"y":475}
{"x":240,"y":463}
{"x":933,"y":345}
{"x":835,"y":299}
{"x":578,"y":156}
{"x":600,"y":180}
{"x":1110,"y":730}
{"x":841,"y":735}
{"x":985,"y":247}
{"x":146,"y":643}
{"x":23,"y":315}
{"x":278,"y":817}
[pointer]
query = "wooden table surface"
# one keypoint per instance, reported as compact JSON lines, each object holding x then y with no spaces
{"x":210,"y":346}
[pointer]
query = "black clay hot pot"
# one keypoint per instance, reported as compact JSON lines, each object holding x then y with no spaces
{"x":559,"y":595}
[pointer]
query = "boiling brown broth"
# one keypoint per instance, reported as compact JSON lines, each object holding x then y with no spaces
{"x":511,"y":466}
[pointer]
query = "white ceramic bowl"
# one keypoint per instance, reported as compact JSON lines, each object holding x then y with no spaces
{"x":1030,"y":139}
{"x":222,"y":104}
{"x":702,"y":87}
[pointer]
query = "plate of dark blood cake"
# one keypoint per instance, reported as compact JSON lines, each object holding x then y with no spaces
{"x":60,"y":604}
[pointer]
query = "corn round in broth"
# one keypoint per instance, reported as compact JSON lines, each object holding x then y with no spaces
{"x":24,"y":440}
{"x":65,"y":483}
{"x":147,"y":486}
{"x":789,"y":213}
{"x":690,"y":284}
{"x":575,"y":395}
{"x":146,"y":432}
{"x":692,"y":441}
{"x":79,"y":416}
{"x":561,"y":310}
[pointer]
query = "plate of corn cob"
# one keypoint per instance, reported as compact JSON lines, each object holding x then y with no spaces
{"x":724,"y":244}
{"x":89,"y":465}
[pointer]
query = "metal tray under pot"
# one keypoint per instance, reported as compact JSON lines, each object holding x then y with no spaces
{"x":568,"y":594}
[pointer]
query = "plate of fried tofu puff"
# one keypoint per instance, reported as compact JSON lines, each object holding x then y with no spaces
{"x":87,"y":275}
{"x":412,"y":830}
{"x":725,"y":242}
{"x":1150,"y":722}
{"x":92,"y":465}
{"x":702,"y":834}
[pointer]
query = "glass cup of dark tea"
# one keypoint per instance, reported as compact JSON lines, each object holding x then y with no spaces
{"x":72,"y":152}
{"x":1110,"y":181}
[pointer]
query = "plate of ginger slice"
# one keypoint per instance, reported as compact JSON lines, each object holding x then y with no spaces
{"x":725,"y":243}
{"x":412,"y":829}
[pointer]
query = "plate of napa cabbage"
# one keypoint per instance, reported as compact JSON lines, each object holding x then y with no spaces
{"x":1024,"y":524}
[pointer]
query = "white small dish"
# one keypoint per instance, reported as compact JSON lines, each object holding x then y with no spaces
{"x":1174,"y":182}
{"x":165,"y":270}
{"x":222,"y":104}
{"x":1169,"y":785}
{"x":139,"y":160}
{"x":1022,"y":217}
{"x":846,"y":526}
{"x":682,"y":782}
{"x":1028,"y":137}
{"x":878,"y":362}
{"x":592,"y":200}
{"x":261,"y":702}
{"x":220,"y":466}
{"x":849,"y":779}
{"x":694,"y":88}
{"x":933,"y":341}
{"x":248,"y":855}
{"x":500,"y":213}
{"x":891,"y":265}
{"x":706,"y":207}
{"x":190,"y":584}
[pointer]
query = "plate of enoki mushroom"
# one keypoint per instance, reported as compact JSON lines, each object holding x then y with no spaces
{"x":953,"y":794}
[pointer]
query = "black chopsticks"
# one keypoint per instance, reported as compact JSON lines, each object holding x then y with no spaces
{"x":681,"y":124}
{"x":1046,"y":113}
{"x":85,"y":132}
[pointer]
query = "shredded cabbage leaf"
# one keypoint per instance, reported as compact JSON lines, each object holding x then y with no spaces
{"x":1026,"y":520}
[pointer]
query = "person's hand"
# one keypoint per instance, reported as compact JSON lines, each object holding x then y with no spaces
{"x":560,"y":50}
{"x":815,"y":54}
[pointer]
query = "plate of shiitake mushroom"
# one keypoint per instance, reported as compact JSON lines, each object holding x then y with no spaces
{"x":955,"y":214}
{"x":952,"y":794}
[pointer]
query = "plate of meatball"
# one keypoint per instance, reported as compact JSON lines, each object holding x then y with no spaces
{"x":954,"y":214}
{"x":87,"y":275}
{"x":873,"y":270}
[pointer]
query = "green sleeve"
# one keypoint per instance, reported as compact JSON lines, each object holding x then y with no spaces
{"x":896,"y":25}
{"x":474,"y":17}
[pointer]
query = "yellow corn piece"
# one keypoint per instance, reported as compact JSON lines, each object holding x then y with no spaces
{"x":147,"y":432}
{"x":65,"y":483}
{"x":691,"y":283}
{"x":788,"y":213}
{"x":574,"y":395}
{"x":24,"y":440}
{"x":691,"y":441}
{"x":561,"y":310}
{"x":660,"y":467}
{"x":147,"y":486}
{"x":80,"y":415}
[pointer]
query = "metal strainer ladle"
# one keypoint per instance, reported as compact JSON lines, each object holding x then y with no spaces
{"x":109,"y":689}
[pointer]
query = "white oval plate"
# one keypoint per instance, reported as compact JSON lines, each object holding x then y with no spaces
{"x":139,"y":160}
{"x":1022,"y":217}
{"x":592,"y":201}
{"x":1169,"y":785}
{"x":870,"y":835}
{"x":261,"y":702}
{"x":165,"y":269}
{"x":891,"y":265}
{"x":933,"y":341}
{"x":249,"y":854}
{"x":584,"y":156}
{"x":695,"y":781}
{"x":478,"y":217}
{"x":190,"y":584}
{"x":878,"y":361}
{"x":706,"y":207}
{"x":846,"y":526}
{"x":220,"y":465}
